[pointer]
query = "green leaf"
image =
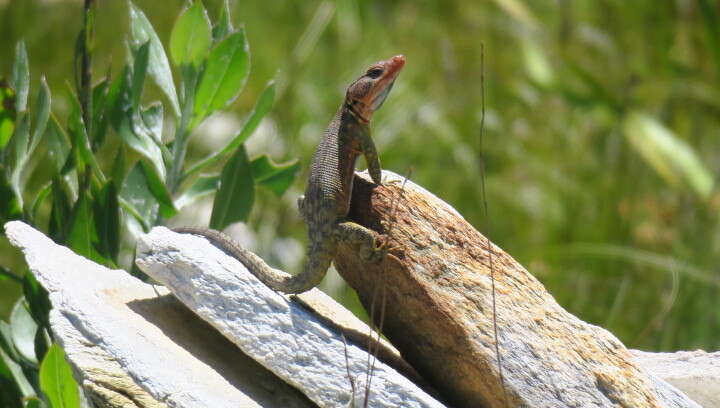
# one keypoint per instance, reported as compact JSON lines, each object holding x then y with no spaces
{"x":225,"y":75}
{"x":23,"y":328}
{"x":708,"y":11}
{"x":79,"y":137}
{"x":6,"y":341}
{"x":6,"y":274}
{"x":119,"y":167}
{"x":670,"y":156}
{"x":141,"y":31}
{"x":158,"y":190}
{"x":191,"y":36}
{"x":10,"y":206}
{"x":224,"y":26}
{"x":234,"y":198}
{"x":140,"y":68}
{"x":661,"y":262}
{"x":141,"y":131}
{"x":7,"y":113}
{"x":59,"y":212}
{"x":18,"y":376}
{"x":276,"y":177}
{"x":83,"y":237}
{"x":42,"y":108}
{"x":106,"y":211}
{"x":38,"y":202}
{"x":56,"y":380}
{"x":24,"y":145}
{"x":37,"y":299}
{"x":20,"y":77}
{"x":314,"y":29}
{"x":20,"y":140}
{"x":33,"y":402}
{"x":202,"y":187}
{"x":152,"y":117}
{"x":19,"y":144}
{"x":136,"y":135}
{"x":119,"y":100}
{"x":100,"y":117}
{"x":537,"y":65}
{"x":137,"y":195}
{"x":42,"y":343}
{"x":11,"y":397}
{"x":519,"y":11}
{"x":262,"y":107}
{"x":58,"y":144}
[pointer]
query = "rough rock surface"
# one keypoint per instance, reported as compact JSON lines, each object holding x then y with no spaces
{"x":432,"y":296}
{"x":102,"y":378}
{"x":111,"y":323}
{"x":279,"y":333}
{"x":696,"y":373}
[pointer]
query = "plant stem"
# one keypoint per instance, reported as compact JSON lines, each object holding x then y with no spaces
{"x":179,"y":150}
{"x":85,"y":83}
{"x":85,"y":90}
{"x":189,"y":82}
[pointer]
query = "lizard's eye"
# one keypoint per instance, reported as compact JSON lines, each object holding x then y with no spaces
{"x":374,"y":73}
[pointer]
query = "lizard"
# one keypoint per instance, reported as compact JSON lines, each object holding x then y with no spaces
{"x":326,"y":202}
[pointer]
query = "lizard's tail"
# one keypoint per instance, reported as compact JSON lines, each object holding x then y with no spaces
{"x":275,"y":279}
{"x":320,"y":253}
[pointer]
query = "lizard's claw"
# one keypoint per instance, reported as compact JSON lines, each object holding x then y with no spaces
{"x":378,"y":251}
{"x":386,"y":179}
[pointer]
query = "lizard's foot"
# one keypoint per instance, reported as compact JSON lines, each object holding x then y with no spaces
{"x":371,"y":249}
{"x":378,"y":251}
{"x":386,"y":179}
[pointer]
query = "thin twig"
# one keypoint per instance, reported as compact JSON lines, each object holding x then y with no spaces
{"x":347,"y":366}
{"x":395,"y":202}
{"x":377,"y":329}
{"x":373,"y":330}
{"x":377,"y":345}
{"x":487,"y":217}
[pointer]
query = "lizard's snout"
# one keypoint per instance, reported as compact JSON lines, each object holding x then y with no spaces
{"x":396,"y":64}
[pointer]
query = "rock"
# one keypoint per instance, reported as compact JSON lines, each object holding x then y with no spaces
{"x":281,"y":334}
{"x":435,"y":289}
{"x":696,"y":373}
{"x":132,"y":348}
{"x":103,"y":379}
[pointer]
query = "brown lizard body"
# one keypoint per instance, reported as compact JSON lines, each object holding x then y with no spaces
{"x":326,"y":202}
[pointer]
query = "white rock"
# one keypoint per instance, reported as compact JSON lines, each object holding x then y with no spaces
{"x":281,"y":334}
{"x":165,"y":349}
{"x":696,"y":373}
{"x":103,"y":379}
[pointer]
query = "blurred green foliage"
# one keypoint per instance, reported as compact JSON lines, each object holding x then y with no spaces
{"x":145,"y":151}
{"x":601,"y":140}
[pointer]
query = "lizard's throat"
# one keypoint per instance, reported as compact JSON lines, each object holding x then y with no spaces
{"x":357,"y":115}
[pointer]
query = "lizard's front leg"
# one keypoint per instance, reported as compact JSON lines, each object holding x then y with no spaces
{"x":371,"y":250}
{"x":371,"y":157}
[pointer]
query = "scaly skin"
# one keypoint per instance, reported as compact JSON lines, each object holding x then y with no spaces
{"x":326,"y":202}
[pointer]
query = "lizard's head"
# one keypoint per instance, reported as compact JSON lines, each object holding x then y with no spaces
{"x":367,"y":93}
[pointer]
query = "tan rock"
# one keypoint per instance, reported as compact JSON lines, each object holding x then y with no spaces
{"x":433,"y":299}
